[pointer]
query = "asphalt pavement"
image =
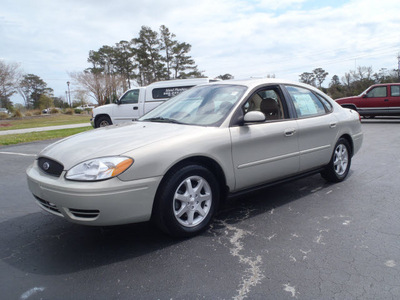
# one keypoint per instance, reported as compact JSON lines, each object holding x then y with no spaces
{"x":301,"y":240}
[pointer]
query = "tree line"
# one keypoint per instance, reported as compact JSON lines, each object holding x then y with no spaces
{"x":33,"y":90}
{"x":352,"y":83}
{"x":151,"y":56}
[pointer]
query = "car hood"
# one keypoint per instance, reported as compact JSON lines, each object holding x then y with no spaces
{"x":104,"y":108}
{"x":346,"y":99}
{"x":113,"y":140}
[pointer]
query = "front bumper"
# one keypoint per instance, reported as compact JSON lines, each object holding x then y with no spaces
{"x":92,"y":122}
{"x":101,"y":203}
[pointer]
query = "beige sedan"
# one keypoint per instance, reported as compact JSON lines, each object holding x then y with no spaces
{"x":176,"y":163}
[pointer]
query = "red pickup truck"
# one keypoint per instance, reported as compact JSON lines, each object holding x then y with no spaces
{"x":377,"y":100}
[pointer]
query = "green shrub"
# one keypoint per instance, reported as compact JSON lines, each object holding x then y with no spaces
{"x":36,"y":112}
{"x":69,"y":111}
{"x":17,"y":114}
{"x":78,"y":111}
{"x":54,"y":111}
{"x":3,"y":116}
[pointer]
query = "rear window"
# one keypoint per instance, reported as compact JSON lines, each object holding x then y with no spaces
{"x":395,"y":91}
{"x":168,"y":92}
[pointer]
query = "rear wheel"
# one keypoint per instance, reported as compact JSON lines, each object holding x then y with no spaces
{"x":339,"y":166}
{"x":103,"y":121}
{"x":186,"y":201}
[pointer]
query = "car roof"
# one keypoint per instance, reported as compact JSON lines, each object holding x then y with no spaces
{"x":252,"y":83}
{"x":385,"y":84}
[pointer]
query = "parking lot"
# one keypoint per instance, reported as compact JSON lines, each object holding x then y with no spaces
{"x":305,"y":240}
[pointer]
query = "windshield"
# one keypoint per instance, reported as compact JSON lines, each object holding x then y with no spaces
{"x":365,"y":92}
{"x":206,"y":105}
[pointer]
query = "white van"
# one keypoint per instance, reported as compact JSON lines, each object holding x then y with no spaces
{"x":137,"y":101}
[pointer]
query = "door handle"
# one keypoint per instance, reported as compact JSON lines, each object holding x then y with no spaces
{"x":332,"y":125}
{"x":386,"y":100}
{"x":290,"y":131}
{"x":135,"y":108}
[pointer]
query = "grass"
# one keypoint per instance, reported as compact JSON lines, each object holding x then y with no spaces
{"x":11,"y":139}
{"x":43,"y":121}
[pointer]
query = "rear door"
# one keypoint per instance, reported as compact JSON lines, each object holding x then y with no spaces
{"x":394,"y":99}
{"x":317,"y":127}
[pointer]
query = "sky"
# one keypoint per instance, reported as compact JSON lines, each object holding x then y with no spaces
{"x":255,"y":38}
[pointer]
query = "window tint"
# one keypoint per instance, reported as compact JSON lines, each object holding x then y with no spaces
{"x":168,"y":92}
{"x":266,"y":101}
{"x":305,"y":102}
{"x":379,"y":91}
{"x":130,"y":97}
{"x":395,"y":91}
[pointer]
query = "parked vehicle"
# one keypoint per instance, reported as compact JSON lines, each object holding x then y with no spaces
{"x":85,"y":107}
{"x":4,"y":111}
{"x":377,"y":100}
{"x":137,"y":101}
{"x":176,"y":163}
{"x":49,"y":110}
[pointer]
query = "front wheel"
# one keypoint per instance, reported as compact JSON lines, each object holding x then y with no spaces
{"x":103,"y":121}
{"x":339,"y":166}
{"x":186,"y":201}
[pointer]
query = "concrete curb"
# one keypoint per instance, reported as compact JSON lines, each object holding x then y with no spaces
{"x":48,"y":128}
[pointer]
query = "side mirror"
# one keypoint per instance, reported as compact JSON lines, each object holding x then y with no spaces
{"x":253,"y":117}
{"x":364,"y":95}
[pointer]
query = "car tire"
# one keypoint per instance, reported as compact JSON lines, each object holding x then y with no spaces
{"x":186,"y":201}
{"x":103,"y":121}
{"x":339,"y":165}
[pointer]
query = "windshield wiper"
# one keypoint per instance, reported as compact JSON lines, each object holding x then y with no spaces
{"x":161,"y":119}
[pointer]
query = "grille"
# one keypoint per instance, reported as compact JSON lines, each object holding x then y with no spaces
{"x":48,"y":206}
{"x":50,"y":166}
{"x":85,"y":213}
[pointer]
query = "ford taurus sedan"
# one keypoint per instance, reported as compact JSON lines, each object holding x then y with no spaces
{"x":176,"y":163}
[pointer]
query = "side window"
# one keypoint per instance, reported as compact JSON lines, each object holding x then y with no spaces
{"x":395,"y":91}
{"x":379,"y":91}
{"x":266,"y":101}
{"x":168,"y":92}
{"x":326,"y":103}
{"x":305,"y":102}
{"x":130,"y":97}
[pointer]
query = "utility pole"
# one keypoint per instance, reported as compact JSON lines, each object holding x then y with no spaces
{"x":69,"y":93}
{"x":398,"y":65}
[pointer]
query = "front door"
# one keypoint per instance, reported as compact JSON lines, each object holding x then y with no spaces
{"x":265,"y":151}
{"x":128,"y":107}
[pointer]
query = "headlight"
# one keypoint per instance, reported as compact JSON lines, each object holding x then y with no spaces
{"x":99,"y":168}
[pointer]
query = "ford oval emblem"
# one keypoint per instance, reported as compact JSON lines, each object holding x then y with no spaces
{"x":46,"y":166}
